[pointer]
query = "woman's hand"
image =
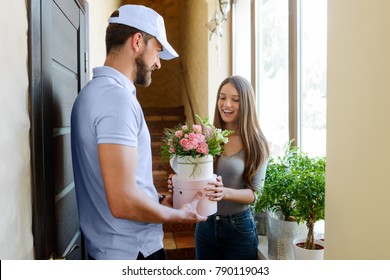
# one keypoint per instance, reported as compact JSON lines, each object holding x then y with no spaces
{"x":168,"y":200}
{"x":218,"y":191}
{"x":170,"y":183}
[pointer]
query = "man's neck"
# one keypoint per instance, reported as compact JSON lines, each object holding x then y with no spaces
{"x":121,"y":64}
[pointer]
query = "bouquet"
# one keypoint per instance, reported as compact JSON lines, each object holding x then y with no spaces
{"x":194,"y":140}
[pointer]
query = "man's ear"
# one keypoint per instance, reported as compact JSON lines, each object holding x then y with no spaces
{"x":136,"y":41}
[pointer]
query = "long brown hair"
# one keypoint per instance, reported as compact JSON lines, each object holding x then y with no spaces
{"x":254,"y":143}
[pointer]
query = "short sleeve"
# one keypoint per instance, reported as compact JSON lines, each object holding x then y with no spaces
{"x":119,"y":121}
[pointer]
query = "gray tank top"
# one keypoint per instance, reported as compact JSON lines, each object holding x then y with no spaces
{"x":231,"y":168}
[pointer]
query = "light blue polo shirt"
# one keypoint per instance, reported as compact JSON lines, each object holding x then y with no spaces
{"x":107,"y":111}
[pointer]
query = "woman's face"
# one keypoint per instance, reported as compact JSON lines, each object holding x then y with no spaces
{"x":229,"y":105}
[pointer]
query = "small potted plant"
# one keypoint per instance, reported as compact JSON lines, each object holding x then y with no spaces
{"x":309,"y":197}
{"x":277,"y":195}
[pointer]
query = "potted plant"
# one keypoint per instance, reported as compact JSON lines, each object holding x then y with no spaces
{"x":309,"y":197}
{"x":294,"y":190}
{"x":277,"y":195}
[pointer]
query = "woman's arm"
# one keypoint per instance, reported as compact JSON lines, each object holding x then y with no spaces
{"x":244,"y":196}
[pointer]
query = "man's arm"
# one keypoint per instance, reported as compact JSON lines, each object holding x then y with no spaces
{"x":125,"y":199}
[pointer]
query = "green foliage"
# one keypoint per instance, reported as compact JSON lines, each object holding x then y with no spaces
{"x":277,"y":192}
{"x":260,"y":205}
{"x":309,"y":194}
{"x":295,"y":186}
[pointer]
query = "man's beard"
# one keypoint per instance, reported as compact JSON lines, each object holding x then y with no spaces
{"x":143,"y":74}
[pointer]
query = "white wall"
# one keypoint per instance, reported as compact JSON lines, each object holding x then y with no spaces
{"x":15,"y":183}
{"x":99,"y":13}
{"x":219,"y":53}
{"x":358,"y":130}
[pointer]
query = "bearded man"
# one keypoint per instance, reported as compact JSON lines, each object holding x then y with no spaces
{"x":120,"y":212}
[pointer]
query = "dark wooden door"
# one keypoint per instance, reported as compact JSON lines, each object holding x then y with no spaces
{"x":58,"y":63}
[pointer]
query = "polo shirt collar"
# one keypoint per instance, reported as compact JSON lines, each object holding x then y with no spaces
{"x":107,"y":71}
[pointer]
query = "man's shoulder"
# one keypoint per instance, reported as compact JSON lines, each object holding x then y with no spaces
{"x":109,"y":75}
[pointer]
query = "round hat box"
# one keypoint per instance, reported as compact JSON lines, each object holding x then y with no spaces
{"x":185,"y":190}
{"x":193,"y":168}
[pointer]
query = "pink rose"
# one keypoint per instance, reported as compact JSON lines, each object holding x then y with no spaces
{"x":203,"y":149}
{"x":187,"y":145}
{"x":200,"y":138}
{"x":192,"y":136}
{"x":179,"y":134}
{"x":197,"y":128}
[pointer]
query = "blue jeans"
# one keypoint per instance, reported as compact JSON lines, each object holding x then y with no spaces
{"x":227,"y":237}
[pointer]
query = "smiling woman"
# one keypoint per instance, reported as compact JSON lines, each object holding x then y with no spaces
{"x":231,"y":232}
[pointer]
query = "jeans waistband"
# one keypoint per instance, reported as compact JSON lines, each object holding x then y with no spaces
{"x":236,"y":217}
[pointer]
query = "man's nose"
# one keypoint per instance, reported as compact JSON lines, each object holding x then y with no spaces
{"x":158,"y":63}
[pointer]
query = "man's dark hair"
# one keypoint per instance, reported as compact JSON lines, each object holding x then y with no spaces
{"x":117,"y":34}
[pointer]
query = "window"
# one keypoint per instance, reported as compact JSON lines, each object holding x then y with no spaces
{"x":272,"y":71}
{"x":312,"y":75}
{"x":289,"y":73}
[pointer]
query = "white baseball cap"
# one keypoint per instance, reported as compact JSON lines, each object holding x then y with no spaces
{"x":147,"y":20}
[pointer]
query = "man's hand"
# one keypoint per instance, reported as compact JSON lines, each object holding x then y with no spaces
{"x":190,"y":209}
